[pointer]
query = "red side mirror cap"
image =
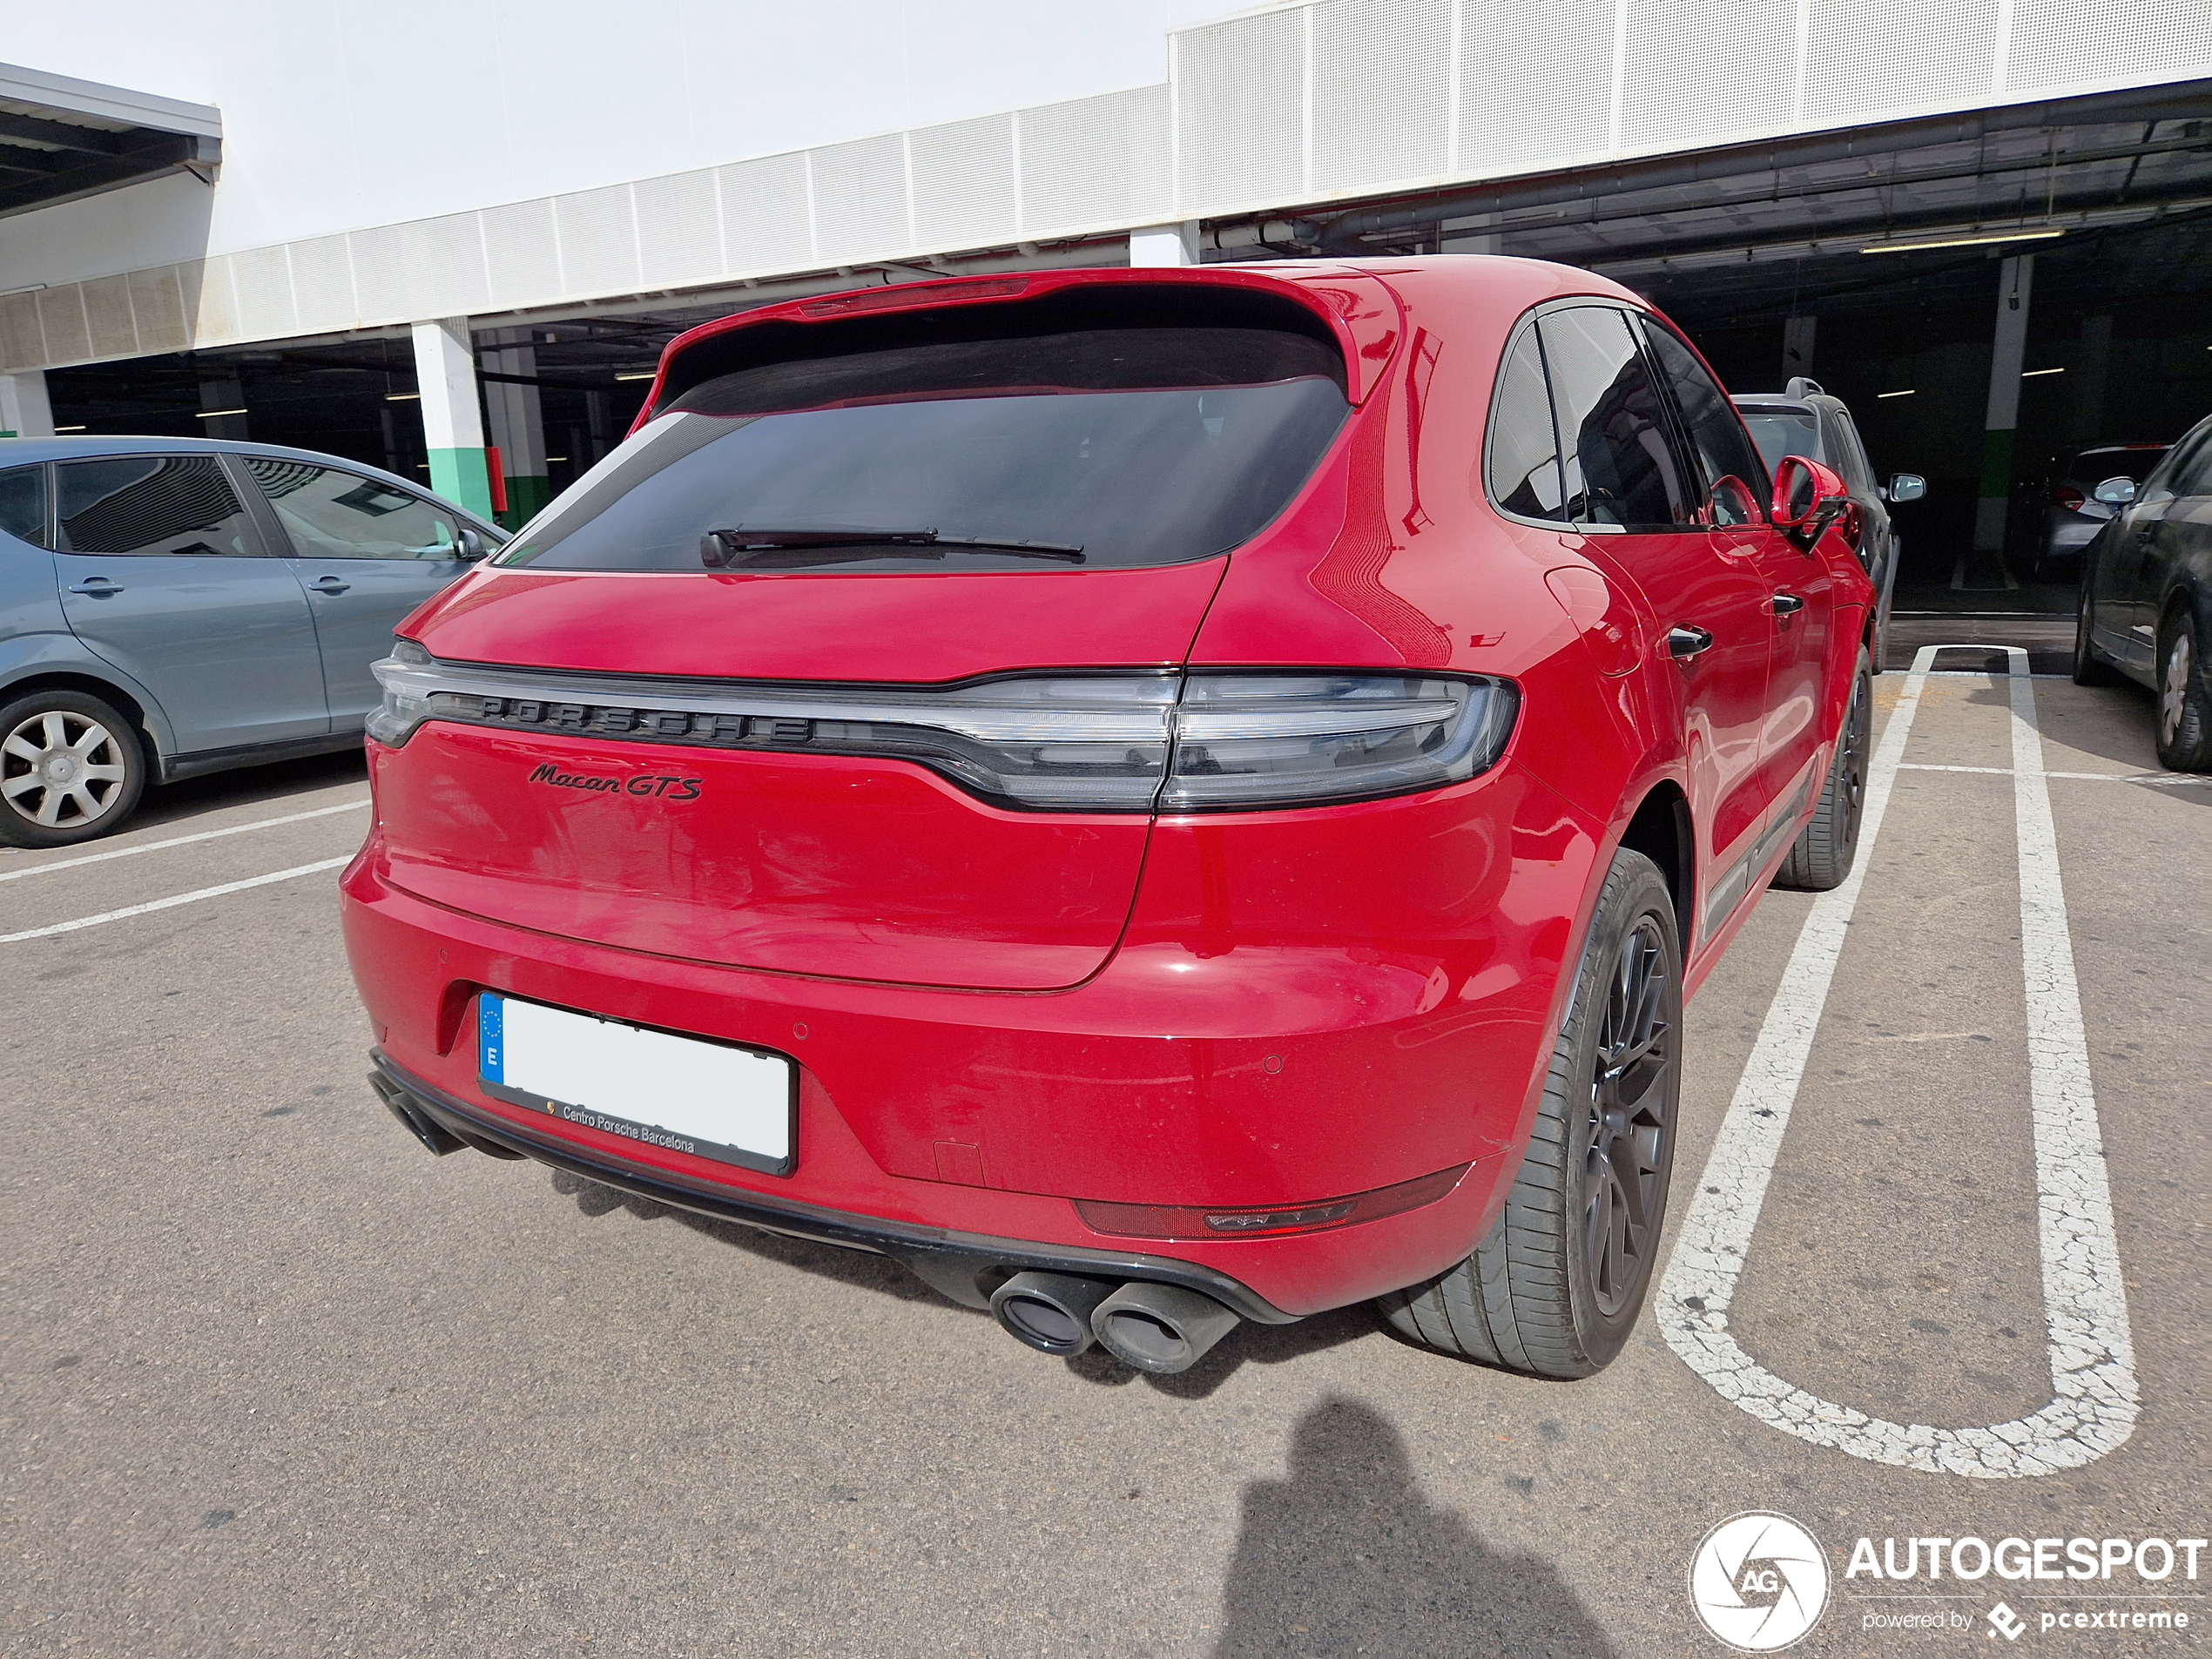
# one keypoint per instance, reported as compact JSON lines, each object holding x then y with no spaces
{"x":1803,"y":489}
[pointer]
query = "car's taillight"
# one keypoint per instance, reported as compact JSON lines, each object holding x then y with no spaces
{"x":1226,"y":1221}
{"x":1101,"y":743}
{"x":2068,"y":496}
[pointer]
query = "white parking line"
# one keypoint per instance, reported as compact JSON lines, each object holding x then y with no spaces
{"x":182,"y":840}
{"x":2154,"y":779}
{"x":2093,"y":1370}
{"x":171,"y":902}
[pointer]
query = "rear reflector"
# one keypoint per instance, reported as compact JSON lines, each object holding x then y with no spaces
{"x":1194,"y":1220}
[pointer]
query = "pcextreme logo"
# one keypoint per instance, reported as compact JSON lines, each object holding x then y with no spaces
{"x":1759,"y":1583}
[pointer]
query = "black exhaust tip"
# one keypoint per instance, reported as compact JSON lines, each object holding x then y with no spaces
{"x":434,"y":1137}
{"x":1050,"y":1312}
{"x":1160,"y":1328}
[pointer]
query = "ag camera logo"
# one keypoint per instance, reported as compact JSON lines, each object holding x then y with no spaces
{"x":1759,"y":1583}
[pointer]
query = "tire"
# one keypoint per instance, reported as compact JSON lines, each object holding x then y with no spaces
{"x":71,"y":769}
{"x":2184,"y":693}
{"x":2089,"y":669}
{"x":1821,"y":856}
{"x":1557,"y":1286}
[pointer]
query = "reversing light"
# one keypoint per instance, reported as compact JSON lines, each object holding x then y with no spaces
{"x":1201,"y":1221}
{"x":406,"y":705}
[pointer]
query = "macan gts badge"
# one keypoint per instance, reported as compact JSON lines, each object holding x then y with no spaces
{"x":1155,"y":799}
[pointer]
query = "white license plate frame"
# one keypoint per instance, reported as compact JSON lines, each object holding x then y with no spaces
{"x":730,"y":1103}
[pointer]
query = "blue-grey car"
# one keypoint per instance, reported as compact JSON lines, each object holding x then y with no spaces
{"x":174,"y":606}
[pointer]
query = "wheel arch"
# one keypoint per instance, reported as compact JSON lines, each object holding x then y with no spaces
{"x":134,"y":707}
{"x":1662,"y":829}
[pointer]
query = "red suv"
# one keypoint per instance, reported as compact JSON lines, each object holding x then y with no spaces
{"x":1155,"y":799}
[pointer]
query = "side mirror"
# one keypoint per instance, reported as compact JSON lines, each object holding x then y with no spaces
{"x":1907,"y":485}
{"x":1808,"y":499}
{"x":473,"y":546}
{"x":1732,"y":503}
{"x":2117,"y":492}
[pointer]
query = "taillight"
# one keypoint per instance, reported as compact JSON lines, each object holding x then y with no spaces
{"x":2068,"y":496}
{"x":1205,"y":1221}
{"x":1100,"y":743}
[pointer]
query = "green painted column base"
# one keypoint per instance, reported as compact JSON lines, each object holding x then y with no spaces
{"x":462,"y":477}
{"x":526,"y":498}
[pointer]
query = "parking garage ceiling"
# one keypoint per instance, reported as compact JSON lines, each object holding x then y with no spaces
{"x":62,"y":138}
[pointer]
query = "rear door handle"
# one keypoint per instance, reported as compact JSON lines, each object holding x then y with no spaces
{"x":1787,"y":605}
{"x":329,"y":584}
{"x":96,"y":587}
{"x":1684,"y":642}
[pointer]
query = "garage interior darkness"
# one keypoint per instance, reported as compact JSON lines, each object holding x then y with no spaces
{"x":1870,"y":255}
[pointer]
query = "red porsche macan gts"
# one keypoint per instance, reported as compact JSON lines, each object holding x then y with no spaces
{"x":1154,"y":798}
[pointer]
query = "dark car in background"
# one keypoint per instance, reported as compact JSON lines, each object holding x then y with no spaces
{"x":2077,"y":512}
{"x":2146,"y":595}
{"x":1804,"y":420}
{"x":172,"y":606}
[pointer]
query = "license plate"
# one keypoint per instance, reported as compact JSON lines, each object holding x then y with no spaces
{"x":711,"y":1100}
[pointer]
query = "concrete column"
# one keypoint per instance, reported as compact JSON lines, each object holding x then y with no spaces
{"x":1473,"y":235}
{"x":223,"y":391}
{"x":2008,"y":353}
{"x":1797,"y":345}
{"x":598,"y":413}
{"x":1165,"y":245}
{"x":25,"y":412}
{"x":517,"y":425}
{"x":2089,"y":375}
{"x":453,"y":424}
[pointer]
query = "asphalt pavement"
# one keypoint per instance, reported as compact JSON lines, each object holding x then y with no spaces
{"x":277,"y":1382}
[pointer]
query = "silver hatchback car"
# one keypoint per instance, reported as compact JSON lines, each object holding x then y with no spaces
{"x":172,"y":606}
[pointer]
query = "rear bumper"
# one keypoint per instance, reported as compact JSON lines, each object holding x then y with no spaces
{"x":964,"y":1266}
{"x":1226,"y":1057}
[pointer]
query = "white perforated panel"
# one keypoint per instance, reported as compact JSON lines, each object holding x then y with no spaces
{"x":1382,"y":72}
{"x":158,"y":306}
{"x":427,"y":268}
{"x":21,"y":343}
{"x":764,"y":214}
{"x":2061,"y":41}
{"x":1875,"y":57}
{"x":1095,"y":161}
{"x":964,"y":184}
{"x":1706,"y":73}
{"x":520,"y":251}
{"x":263,"y":278}
{"x":598,"y":234}
{"x":61,"y":315}
{"x":679,"y":229}
{"x":860,"y":198}
{"x":1533,"y":97}
{"x":322,"y":284}
{"x":1240,"y":112}
{"x":212,"y":299}
{"x":107,"y":308}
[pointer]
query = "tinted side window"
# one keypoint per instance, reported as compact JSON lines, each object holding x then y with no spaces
{"x":1524,"y":448}
{"x":333,"y":514}
{"x":150,"y":504}
{"x":1715,"y":432}
{"x":1620,"y":466}
{"x":23,"y":504}
{"x":2194,"y":476}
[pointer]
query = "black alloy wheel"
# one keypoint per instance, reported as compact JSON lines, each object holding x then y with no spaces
{"x":1560,"y":1282}
{"x":1821,"y":856}
{"x":2184,"y":692}
{"x":1629,"y":1127}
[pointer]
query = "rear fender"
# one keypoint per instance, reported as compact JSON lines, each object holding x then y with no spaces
{"x":25,"y":658}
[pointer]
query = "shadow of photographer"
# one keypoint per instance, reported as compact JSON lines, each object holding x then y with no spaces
{"x":1346,"y":1556}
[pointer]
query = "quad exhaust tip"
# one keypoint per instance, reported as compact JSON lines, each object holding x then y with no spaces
{"x":1159,"y":1328}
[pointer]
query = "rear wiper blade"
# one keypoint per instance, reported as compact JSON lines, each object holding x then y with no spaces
{"x":722,"y":549}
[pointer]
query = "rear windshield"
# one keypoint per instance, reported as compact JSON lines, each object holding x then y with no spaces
{"x":1783,"y":432}
{"x":2095,"y":466}
{"x":1097,"y":448}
